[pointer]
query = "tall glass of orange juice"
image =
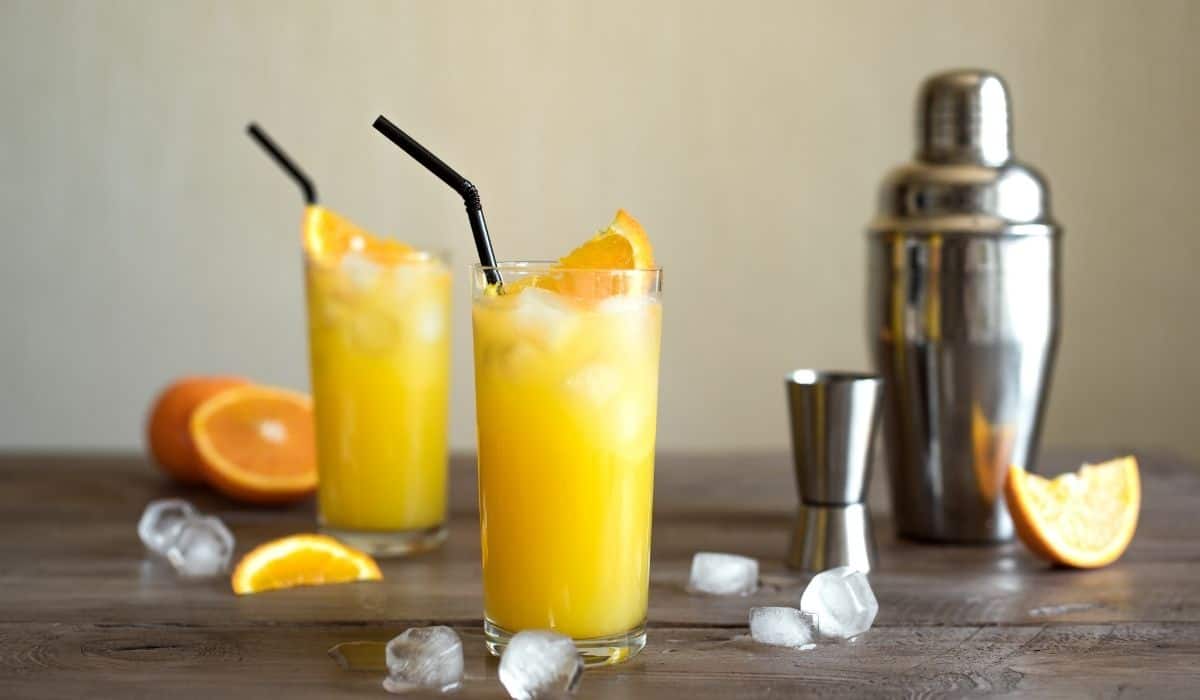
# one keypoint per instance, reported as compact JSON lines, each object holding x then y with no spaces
{"x":566,"y":386}
{"x":379,"y":342}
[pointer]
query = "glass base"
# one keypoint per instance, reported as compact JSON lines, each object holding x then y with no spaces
{"x":596,"y":651}
{"x":390,"y":544}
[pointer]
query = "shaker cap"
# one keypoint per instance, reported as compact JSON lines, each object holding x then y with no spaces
{"x":963,"y":178}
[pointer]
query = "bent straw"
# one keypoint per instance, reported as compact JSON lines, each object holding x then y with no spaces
{"x":458,"y":183}
{"x":285,"y":162}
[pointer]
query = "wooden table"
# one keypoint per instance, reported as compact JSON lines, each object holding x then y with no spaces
{"x":83,"y":613}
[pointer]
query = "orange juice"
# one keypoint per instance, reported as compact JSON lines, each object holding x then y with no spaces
{"x":566,"y":402}
{"x":380,"y":358}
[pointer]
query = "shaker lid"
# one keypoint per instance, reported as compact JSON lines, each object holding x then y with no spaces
{"x":963,"y":178}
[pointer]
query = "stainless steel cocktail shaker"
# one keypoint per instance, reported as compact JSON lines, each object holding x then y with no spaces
{"x":964,"y":312}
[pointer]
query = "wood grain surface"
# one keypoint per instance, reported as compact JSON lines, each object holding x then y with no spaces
{"x":84,"y":613}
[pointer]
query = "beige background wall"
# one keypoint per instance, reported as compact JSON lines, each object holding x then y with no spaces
{"x":145,"y":237}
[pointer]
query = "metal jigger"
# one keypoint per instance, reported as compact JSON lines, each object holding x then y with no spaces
{"x":833,"y":421}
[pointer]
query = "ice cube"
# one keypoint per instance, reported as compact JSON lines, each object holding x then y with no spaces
{"x":723,"y":574}
{"x":595,"y":383}
{"x":202,"y":549}
{"x":373,"y":330}
{"x":161,"y":522}
{"x":359,"y":270}
{"x":513,"y":358}
{"x":623,"y":303}
{"x":633,"y":416}
{"x":545,"y":314}
{"x":631,"y":323}
{"x":407,"y":281}
{"x":540,"y":664}
{"x":430,"y":322}
{"x":785,"y":627}
{"x":843,"y":602}
{"x":424,"y":657}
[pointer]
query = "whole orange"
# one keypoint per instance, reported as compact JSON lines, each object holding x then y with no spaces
{"x":167,"y":435}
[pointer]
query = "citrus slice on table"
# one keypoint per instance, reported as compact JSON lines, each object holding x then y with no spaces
{"x":257,"y":444}
{"x":328,"y":236}
{"x":301,"y":560}
{"x":1083,"y":519}
{"x":167,"y":436}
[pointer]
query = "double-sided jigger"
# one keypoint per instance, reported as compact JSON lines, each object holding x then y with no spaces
{"x":833,"y":420}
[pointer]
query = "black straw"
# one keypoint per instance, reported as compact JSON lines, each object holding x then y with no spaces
{"x":458,"y":183}
{"x":284,"y":161}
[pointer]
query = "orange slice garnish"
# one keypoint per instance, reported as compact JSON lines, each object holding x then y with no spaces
{"x":584,"y":272}
{"x":1083,"y":519}
{"x":622,"y":246}
{"x":301,"y":560}
{"x":328,"y":236}
{"x":257,"y":444}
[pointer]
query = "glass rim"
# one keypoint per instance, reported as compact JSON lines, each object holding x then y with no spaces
{"x":418,"y":256}
{"x":516,"y":265}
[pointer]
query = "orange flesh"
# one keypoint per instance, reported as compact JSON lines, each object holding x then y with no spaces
{"x":301,"y":560}
{"x":264,"y":435}
{"x":1083,"y":519}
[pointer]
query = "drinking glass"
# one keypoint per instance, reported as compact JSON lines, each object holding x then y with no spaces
{"x":379,"y":345}
{"x":566,"y":387}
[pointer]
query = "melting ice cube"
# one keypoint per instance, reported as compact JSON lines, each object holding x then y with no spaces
{"x":539,"y":664}
{"x":424,"y":657}
{"x":842,"y":600}
{"x":430,"y":323}
{"x":359,"y":270}
{"x":162,"y":521}
{"x":203,"y":548}
{"x":545,"y":314}
{"x":373,"y":330}
{"x":620,"y":303}
{"x":785,"y":627}
{"x":595,"y":383}
{"x":723,"y":574}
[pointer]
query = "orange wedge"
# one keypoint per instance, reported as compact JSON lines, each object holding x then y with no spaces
{"x":1083,"y":519}
{"x":257,"y":444}
{"x":328,"y":236}
{"x":622,"y":246}
{"x":301,"y":560}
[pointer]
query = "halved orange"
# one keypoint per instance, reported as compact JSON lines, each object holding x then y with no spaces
{"x":167,"y":436}
{"x":301,"y":560}
{"x":257,"y":444}
{"x":328,"y":236}
{"x":1083,"y":519}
